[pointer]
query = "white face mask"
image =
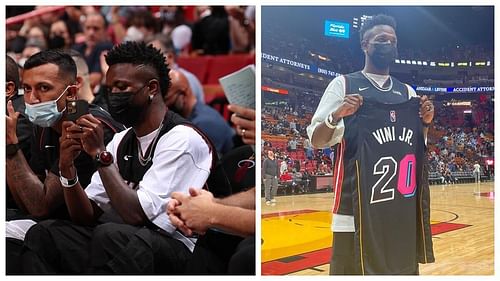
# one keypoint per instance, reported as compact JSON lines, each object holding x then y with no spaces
{"x":45,"y":114}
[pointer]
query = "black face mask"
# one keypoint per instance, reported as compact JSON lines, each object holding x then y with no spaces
{"x":383,"y":55}
{"x":121,"y":108}
{"x":56,"y":42}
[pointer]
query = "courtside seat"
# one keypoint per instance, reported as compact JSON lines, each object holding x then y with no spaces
{"x":434,"y":178}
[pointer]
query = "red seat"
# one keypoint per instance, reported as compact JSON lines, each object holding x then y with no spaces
{"x":196,"y":65}
{"x":220,"y":66}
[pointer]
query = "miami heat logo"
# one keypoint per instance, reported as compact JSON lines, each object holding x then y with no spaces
{"x":393,"y":116}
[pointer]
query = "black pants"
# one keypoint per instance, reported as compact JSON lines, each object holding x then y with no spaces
{"x":242,"y":262}
{"x":342,"y":261}
{"x":219,"y":253}
{"x":57,"y":246}
{"x":13,"y":249}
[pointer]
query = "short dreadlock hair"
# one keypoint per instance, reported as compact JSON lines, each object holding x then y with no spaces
{"x":138,"y":53}
{"x":374,"y":21}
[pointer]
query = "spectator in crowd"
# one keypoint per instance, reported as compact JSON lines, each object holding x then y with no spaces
{"x":23,"y":127}
{"x":83,"y":79}
{"x":95,"y":43}
{"x":211,"y":33}
{"x":235,"y":214}
{"x":244,"y":120}
{"x":141,"y":26}
{"x":128,"y":195}
{"x":242,"y":28}
{"x":60,"y":36}
{"x":36,"y":183}
{"x":45,"y":108}
{"x":166,"y":46}
{"x":33,"y":46}
{"x":292,"y":145}
{"x":181,"y":39}
{"x":181,"y":100}
{"x":283,"y":166}
{"x":170,"y":18}
{"x":270,"y":174}
{"x":40,"y":33}
{"x":308,"y":149}
{"x":448,"y":177}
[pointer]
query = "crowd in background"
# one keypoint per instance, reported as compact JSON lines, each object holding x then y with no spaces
{"x":93,"y":30}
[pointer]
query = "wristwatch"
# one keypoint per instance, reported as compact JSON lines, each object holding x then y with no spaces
{"x":11,"y":149}
{"x":68,"y":182}
{"x":104,"y":158}
{"x":330,"y":123}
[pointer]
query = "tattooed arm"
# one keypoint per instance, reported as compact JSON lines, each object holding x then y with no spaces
{"x":36,"y":197}
{"x":30,"y":193}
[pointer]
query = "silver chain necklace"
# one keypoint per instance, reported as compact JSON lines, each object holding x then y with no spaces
{"x":375,"y":84}
{"x":145,"y":160}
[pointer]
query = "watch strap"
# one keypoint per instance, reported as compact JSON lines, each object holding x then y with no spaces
{"x":330,"y":123}
{"x":68,"y":182}
{"x":12,"y":149}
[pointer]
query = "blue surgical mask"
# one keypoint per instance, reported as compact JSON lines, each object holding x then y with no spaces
{"x":45,"y":114}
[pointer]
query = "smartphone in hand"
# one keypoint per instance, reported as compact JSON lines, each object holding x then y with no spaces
{"x":75,"y":109}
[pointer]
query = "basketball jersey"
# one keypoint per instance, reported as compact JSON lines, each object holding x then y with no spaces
{"x":379,"y":178}
{"x":344,"y":176}
{"x":388,"y":162}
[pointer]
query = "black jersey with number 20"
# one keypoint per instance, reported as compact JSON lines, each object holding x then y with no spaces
{"x":388,"y":163}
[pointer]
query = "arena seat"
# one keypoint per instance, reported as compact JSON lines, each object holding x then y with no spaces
{"x":196,"y":65}
{"x":434,"y":178}
{"x":220,"y":66}
{"x":220,"y":104}
{"x":209,"y":69}
{"x":212,"y":91}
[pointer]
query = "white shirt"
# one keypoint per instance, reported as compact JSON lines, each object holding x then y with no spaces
{"x":283,"y":167}
{"x":330,"y":101}
{"x":477,"y":168}
{"x":181,"y":160}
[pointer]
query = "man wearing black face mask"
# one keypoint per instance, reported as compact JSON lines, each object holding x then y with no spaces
{"x":137,"y":171}
{"x":60,"y":37}
{"x":342,"y":101}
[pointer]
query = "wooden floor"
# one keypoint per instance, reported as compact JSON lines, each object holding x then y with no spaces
{"x":297,"y":238}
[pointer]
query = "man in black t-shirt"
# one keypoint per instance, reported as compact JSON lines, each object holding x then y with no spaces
{"x":24,"y":126}
{"x":36,"y":185}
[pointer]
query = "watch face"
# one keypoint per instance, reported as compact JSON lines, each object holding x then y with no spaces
{"x":105,"y":157}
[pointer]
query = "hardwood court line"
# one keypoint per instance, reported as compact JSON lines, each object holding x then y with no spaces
{"x":305,"y":260}
{"x":465,"y":206}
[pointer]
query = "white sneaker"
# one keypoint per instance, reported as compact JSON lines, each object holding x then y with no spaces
{"x":273,"y":200}
{"x":268,"y":203}
{"x":273,"y":204}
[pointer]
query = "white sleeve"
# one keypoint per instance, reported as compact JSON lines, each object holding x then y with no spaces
{"x":331,"y":100}
{"x":411,"y":92}
{"x":95,"y":190}
{"x":181,"y":160}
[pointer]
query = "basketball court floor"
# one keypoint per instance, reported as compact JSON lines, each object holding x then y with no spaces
{"x":296,"y":236}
